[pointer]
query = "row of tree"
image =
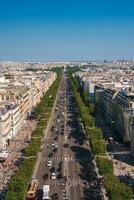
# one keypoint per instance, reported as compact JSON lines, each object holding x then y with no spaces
{"x":18,"y":186}
{"x":94,"y":134}
{"x":115,"y":189}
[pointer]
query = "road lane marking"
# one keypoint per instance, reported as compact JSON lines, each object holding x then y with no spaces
{"x":69,"y":183}
{"x":67,"y":158}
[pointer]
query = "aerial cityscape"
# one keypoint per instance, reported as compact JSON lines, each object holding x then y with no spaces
{"x":67,"y":100}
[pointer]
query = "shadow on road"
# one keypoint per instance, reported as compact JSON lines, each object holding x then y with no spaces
{"x":91,"y":184}
{"x":40,"y":194}
{"x":91,"y":190}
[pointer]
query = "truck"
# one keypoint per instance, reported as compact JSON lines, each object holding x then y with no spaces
{"x":32,"y":190}
{"x":46,"y":189}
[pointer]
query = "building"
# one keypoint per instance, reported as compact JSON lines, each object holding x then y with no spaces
{"x":9,"y":122}
{"x":18,"y":97}
{"x":114,"y":90}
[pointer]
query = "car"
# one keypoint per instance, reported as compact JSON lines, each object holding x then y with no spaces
{"x":65,"y":195}
{"x":66,"y":145}
{"x":59,"y":169}
{"x":62,"y":126}
{"x":55,"y":138}
{"x":45,"y":176}
{"x":65,"y":178}
{"x":49,"y":163}
{"x":59,"y":176}
{"x":52,"y":128}
{"x":56,"y":128}
{"x":63,"y":184}
{"x":50,"y":155}
{"x":60,"y":163}
{"x":55,"y":150}
{"x":69,"y":137}
{"x":62,"y":129}
{"x":52,"y":169}
{"x":56,"y":108}
{"x":85,"y":182}
{"x":56,"y":132}
{"x":58,"y":120}
{"x":53,"y":144}
{"x":55,"y":196}
{"x":53,"y":175}
{"x":56,"y":145}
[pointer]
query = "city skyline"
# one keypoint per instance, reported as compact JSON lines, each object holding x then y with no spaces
{"x":66,"y":31}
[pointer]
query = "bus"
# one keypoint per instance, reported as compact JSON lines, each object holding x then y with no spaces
{"x":32,"y":190}
{"x":45,"y":192}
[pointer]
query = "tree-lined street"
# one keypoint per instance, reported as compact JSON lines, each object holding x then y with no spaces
{"x":65,"y":160}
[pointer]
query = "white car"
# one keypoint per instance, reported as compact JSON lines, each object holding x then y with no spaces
{"x":49,"y":163}
{"x":53,"y":144}
{"x":56,"y":145}
{"x":53,"y":176}
{"x":58,"y":120}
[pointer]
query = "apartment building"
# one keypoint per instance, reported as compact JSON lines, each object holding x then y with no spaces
{"x":9,"y":122}
{"x":5,"y":127}
{"x":118,"y":109}
{"x":18,"y":97}
{"x":115,"y":93}
{"x":15,"y":118}
{"x":125,"y":101}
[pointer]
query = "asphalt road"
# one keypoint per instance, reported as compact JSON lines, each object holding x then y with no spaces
{"x":76,"y":178}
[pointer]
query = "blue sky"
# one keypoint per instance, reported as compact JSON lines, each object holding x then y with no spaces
{"x":66,"y":29}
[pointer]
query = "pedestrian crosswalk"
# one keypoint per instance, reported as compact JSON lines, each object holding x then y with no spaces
{"x":67,"y":158}
{"x":69,"y":183}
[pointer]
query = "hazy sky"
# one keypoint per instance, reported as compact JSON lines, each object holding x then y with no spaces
{"x":66,"y":29}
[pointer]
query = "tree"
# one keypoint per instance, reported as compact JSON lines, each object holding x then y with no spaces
{"x":116,"y":189}
{"x":18,"y":187}
{"x":86,"y":98}
{"x":91,"y":108}
{"x":98,"y":147}
{"x":94,"y":133}
{"x":105,"y":165}
{"x":10,"y":195}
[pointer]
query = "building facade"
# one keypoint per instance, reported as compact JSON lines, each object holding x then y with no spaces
{"x":18,"y":97}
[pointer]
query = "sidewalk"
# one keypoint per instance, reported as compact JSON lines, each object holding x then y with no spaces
{"x":123,"y":163}
{"x":103,"y":190}
{"x":121,"y":168}
{"x":9,"y":167}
